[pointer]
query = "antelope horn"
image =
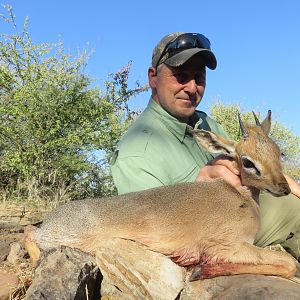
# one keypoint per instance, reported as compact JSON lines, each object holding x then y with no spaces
{"x":243,"y":128}
{"x":256,"y":119}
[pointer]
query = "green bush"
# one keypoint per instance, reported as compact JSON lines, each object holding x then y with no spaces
{"x":52,"y":121}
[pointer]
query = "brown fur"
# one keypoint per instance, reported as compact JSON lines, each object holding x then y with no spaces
{"x":208,"y":224}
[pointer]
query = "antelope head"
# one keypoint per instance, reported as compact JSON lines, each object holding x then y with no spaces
{"x":256,"y":155}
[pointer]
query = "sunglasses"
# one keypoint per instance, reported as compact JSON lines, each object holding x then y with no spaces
{"x":183,"y":42}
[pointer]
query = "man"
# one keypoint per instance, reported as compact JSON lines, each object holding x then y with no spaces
{"x":157,"y":149}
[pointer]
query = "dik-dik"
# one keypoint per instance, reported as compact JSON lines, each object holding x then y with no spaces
{"x":207,"y":225}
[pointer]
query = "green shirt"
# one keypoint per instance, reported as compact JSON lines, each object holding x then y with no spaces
{"x":157,"y":151}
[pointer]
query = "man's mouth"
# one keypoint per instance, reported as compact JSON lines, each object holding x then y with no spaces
{"x":192,"y":101}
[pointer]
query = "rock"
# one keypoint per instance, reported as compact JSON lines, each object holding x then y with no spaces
{"x":13,"y":218}
{"x":131,"y":271}
{"x":16,"y":253}
{"x":65,"y":273}
{"x":242,"y":287}
{"x":16,"y":214}
{"x":8,"y":235}
{"x":8,"y":284}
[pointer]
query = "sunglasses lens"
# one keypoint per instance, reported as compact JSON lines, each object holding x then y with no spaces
{"x":189,"y":40}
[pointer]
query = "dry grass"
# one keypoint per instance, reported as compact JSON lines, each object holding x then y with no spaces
{"x":23,"y":270}
{"x":31,"y":193}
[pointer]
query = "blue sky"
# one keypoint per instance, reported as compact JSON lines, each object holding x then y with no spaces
{"x":257,"y":43}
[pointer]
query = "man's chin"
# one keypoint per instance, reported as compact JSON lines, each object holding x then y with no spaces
{"x":184,"y":113}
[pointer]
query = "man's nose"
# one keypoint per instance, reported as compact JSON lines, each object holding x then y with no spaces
{"x":191,"y":86}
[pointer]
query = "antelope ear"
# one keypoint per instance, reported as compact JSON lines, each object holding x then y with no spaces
{"x":266,"y":123}
{"x":213,"y":142}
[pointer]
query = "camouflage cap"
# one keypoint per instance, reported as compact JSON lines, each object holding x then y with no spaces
{"x":180,"y":58}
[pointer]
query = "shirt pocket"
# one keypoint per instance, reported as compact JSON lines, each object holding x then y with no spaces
{"x":188,"y":175}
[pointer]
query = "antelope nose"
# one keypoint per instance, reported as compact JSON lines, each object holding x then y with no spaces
{"x":284,"y":188}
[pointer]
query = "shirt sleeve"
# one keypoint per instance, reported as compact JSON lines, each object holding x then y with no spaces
{"x":132,"y":174}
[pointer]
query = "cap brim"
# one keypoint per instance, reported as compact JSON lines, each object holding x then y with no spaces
{"x":198,"y":54}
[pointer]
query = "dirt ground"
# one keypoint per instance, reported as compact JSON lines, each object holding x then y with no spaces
{"x":13,"y":219}
{"x":21,"y":267}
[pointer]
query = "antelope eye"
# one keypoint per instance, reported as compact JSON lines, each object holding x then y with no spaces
{"x":249,"y":165}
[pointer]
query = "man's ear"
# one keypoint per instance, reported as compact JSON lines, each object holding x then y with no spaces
{"x":152,"y":78}
{"x":213,"y":142}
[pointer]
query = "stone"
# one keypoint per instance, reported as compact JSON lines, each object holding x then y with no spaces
{"x":8,"y":284}
{"x":13,"y":218}
{"x":132,"y":271}
{"x":16,"y":253}
{"x":65,"y":273}
{"x":7,"y":237}
{"x":20,"y":215}
{"x":242,"y":287}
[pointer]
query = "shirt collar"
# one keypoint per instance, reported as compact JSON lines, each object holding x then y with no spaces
{"x":174,"y":126}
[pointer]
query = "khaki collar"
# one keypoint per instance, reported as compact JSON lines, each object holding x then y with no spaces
{"x":174,"y":126}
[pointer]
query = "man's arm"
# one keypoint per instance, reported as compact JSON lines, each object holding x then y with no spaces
{"x":295,"y":187}
{"x":132,"y":174}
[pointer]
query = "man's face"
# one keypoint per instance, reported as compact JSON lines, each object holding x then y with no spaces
{"x":178,"y":90}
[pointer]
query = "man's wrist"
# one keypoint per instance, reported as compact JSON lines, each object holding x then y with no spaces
{"x":294,"y":186}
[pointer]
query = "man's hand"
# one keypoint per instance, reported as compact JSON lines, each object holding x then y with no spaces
{"x":294,"y":186}
{"x":220,"y":167}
